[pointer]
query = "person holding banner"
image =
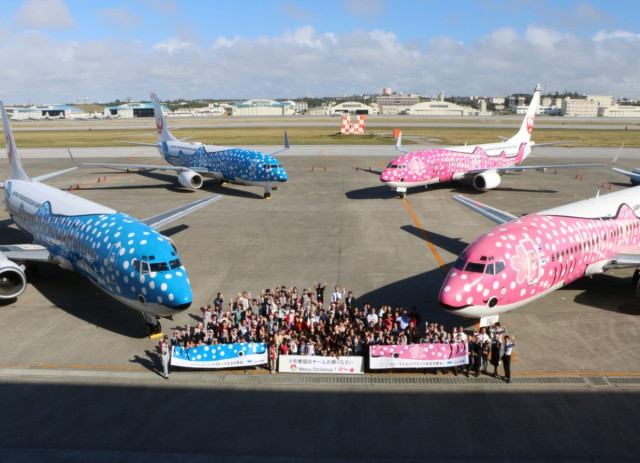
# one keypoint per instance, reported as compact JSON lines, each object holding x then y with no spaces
{"x":165,"y":352}
{"x":273,"y":355}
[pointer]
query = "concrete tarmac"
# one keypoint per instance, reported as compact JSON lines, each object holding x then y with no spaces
{"x":79,"y":380}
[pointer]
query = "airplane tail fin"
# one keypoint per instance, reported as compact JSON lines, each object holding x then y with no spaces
{"x":524,"y":134}
{"x":161,"y":122}
{"x":17,"y":171}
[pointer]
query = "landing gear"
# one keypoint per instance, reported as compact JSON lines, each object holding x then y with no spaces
{"x":152,"y":325}
{"x":636,"y":277}
{"x":267,"y":192}
{"x":402,"y":192}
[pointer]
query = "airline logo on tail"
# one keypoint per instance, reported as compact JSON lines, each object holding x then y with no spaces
{"x":159,"y":124}
{"x":530,"y":123}
{"x":7,"y":137}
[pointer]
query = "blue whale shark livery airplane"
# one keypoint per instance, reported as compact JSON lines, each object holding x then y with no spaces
{"x":192,"y":161}
{"x":126,"y":258}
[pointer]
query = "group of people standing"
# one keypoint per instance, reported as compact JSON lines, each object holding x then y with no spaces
{"x":303,"y":323}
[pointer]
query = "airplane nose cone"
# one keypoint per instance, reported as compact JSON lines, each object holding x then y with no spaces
{"x":450,"y":299}
{"x":282,"y":176}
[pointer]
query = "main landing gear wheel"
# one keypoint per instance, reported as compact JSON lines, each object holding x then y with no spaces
{"x":153,"y":329}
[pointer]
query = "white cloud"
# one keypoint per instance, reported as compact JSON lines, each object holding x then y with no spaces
{"x":303,"y":61}
{"x":171,"y":45}
{"x":45,"y":14}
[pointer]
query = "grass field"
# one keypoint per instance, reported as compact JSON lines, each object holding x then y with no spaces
{"x":83,"y":136}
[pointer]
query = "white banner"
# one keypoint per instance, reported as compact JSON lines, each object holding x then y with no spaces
{"x":318,"y":364}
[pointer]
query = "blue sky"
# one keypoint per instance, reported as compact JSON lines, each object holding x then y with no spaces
{"x":60,"y":50}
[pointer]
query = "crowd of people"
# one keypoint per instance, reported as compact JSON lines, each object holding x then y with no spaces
{"x":304,"y":323}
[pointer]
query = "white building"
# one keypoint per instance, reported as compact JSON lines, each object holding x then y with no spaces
{"x":261,"y":107}
{"x":619,"y":111}
{"x":440,"y":108}
{"x":579,"y":107}
{"x":352,"y":107}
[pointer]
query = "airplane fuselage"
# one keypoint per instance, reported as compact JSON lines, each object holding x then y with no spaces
{"x":122,"y":256}
{"x":522,"y":260}
{"x":446,"y":164}
{"x":231,"y":164}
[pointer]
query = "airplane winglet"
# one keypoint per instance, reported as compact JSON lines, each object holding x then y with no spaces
{"x":399,"y":144}
{"x":617,"y":155}
{"x":286,"y":145}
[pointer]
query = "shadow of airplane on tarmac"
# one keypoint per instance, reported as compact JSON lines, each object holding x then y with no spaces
{"x":86,"y":302}
{"x":453,"y":245}
{"x":419,"y":291}
{"x":607,"y":292}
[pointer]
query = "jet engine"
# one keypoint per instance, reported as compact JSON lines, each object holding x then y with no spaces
{"x":487,"y":180}
{"x":190,"y":179}
{"x":13,"y":280}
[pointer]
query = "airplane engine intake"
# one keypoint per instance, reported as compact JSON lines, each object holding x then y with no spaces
{"x":487,"y":180}
{"x":190,"y":179}
{"x":13,"y":280}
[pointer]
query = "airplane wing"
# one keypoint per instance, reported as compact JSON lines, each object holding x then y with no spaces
{"x":25,"y":252}
{"x":634,"y":176}
{"x":492,"y":213}
{"x":144,"y":167}
{"x":538,"y":168}
{"x":47,"y":176}
{"x":155,"y":145}
{"x":533,"y":145}
{"x":629,"y":258}
{"x":167,"y":217}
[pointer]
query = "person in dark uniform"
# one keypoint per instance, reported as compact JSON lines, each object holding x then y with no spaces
{"x":509,"y":342}
{"x":496,"y":347}
{"x":320,"y":291}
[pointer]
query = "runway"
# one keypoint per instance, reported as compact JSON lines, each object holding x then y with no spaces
{"x":79,"y":362}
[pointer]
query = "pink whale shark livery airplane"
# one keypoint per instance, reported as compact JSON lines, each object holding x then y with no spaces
{"x":484,"y":164}
{"x":526,"y":258}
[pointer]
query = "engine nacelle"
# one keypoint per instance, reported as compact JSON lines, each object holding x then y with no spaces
{"x":13,"y":280}
{"x":190,"y":179}
{"x":487,"y":180}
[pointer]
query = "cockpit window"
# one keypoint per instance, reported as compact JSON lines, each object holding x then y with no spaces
{"x":499,"y":266}
{"x":474,"y":267}
{"x":143,"y":266}
{"x":489,"y":269}
{"x":159,"y":267}
{"x":459,"y":263}
{"x":391,"y":165}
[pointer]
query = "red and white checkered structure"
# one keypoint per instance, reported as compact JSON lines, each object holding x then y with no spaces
{"x":348,"y":128}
